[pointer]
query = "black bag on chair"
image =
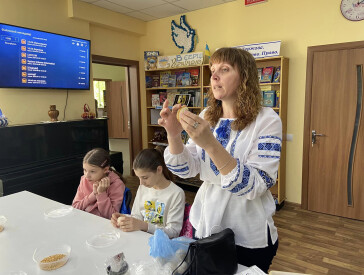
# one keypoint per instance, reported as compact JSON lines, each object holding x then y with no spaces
{"x":212,"y":255}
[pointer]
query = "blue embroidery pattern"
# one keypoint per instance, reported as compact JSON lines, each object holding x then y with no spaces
{"x":223,"y":136}
{"x":232,"y":149}
{"x":269,"y":147}
{"x":181,"y":171}
{"x":236,"y":177}
{"x":250,"y":189}
{"x":214,"y":168}
{"x":244,"y":182}
{"x":223,"y":132}
{"x":262,"y":137}
{"x":170,"y":165}
{"x":269,"y":182}
{"x":203,"y":154}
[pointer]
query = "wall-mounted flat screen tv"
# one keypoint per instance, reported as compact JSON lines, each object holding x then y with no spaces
{"x":37,"y":59}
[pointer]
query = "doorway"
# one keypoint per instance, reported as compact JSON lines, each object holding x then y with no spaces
{"x":333,"y":159}
{"x":130,"y":107}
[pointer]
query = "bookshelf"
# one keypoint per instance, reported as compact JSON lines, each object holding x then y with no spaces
{"x":279,"y":189}
{"x":154,"y":131}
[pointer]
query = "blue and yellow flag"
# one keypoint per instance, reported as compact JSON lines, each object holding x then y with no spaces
{"x":207,"y":53}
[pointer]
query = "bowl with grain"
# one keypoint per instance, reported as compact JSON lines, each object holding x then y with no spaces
{"x":52,"y":256}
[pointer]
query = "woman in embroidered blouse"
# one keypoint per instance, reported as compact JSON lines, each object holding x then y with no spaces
{"x":235,"y":146}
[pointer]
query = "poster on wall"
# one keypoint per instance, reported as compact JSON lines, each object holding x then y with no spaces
{"x":262,"y":50}
{"x":251,"y":2}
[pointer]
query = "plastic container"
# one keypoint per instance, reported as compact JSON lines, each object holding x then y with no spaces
{"x":104,"y":239}
{"x":58,"y":212}
{"x":52,"y":256}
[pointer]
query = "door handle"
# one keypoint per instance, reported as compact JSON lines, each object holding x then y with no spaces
{"x":314,"y":135}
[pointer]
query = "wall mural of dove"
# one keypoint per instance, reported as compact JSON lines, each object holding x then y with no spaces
{"x":183,"y":35}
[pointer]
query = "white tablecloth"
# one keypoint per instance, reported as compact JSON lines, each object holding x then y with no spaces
{"x":28,"y":228}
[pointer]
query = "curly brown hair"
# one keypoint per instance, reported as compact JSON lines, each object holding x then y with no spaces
{"x":248,"y":103}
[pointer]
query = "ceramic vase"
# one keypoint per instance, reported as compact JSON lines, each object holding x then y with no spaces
{"x":53,"y":113}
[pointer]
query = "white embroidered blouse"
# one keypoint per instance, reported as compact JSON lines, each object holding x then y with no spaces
{"x":240,"y":200}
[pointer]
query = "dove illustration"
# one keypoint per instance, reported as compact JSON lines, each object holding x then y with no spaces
{"x":183,"y":36}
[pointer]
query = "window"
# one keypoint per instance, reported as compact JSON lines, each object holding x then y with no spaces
{"x":99,"y":88}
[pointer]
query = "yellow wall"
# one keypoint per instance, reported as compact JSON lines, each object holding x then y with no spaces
{"x":117,"y":37}
{"x":299,"y":24}
{"x":115,"y":73}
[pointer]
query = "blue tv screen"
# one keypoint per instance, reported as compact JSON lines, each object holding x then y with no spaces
{"x":37,"y":59}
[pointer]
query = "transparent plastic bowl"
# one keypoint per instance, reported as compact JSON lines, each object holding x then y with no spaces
{"x":52,"y":256}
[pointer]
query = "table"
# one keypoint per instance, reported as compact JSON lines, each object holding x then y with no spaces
{"x":28,"y":228}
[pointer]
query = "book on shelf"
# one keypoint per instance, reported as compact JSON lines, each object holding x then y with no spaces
{"x":172,"y":80}
{"x":260,"y":70}
{"x":159,"y":135}
{"x":154,"y":116}
{"x":184,"y":137}
{"x":269,"y":98}
{"x":148,"y":81}
{"x":194,"y":75}
{"x":192,"y":98}
{"x":179,"y":77}
{"x":278,"y":94}
{"x":155,"y":100}
{"x":155,"y":81}
{"x":162,"y":97}
{"x":186,"y":79}
{"x":262,"y":101}
{"x":277,"y":75}
{"x":171,"y":94}
{"x":197,"y":98}
{"x":160,"y":143}
{"x":164,"y":78}
{"x":183,"y":99}
{"x":205,"y":98}
{"x":267,"y":74}
{"x":150,"y":60}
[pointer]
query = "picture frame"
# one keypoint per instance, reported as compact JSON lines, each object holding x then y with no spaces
{"x":183,"y":99}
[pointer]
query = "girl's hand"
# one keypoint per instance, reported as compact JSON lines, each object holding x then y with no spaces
{"x":114,"y":219}
{"x":94,"y":188}
{"x":128,"y":224}
{"x":197,"y":128}
{"x":104,"y":183}
{"x":169,"y":120}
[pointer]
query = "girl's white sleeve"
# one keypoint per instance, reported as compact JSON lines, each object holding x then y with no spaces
{"x":254,"y":176}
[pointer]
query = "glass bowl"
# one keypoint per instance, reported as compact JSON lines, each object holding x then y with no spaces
{"x":52,"y":256}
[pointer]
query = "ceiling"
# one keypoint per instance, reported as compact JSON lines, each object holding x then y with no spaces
{"x":148,"y":10}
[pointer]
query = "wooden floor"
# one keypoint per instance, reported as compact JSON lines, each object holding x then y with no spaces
{"x":311,"y":242}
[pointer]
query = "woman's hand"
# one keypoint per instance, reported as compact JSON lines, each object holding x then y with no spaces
{"x":104,"y":183}
{"x":169,"y":120}
{"x":198,"y":129}
{"x":128,"y":224}
{"x":114,"y":219}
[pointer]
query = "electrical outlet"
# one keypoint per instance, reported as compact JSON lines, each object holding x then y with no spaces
{"x":289,"y":137}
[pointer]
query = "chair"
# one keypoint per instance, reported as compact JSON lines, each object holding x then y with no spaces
{"x":125,"y":206}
